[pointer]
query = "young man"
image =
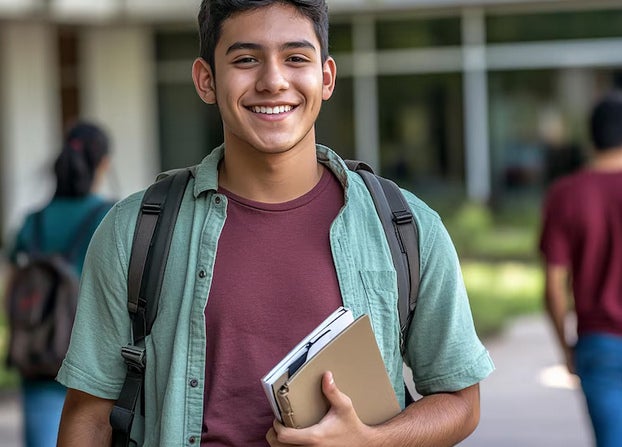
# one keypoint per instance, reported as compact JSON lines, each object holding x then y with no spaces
{"x":582,"y":246}
{"x":273,"y":234}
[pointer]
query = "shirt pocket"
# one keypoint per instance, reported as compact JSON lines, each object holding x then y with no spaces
{"x":380,"y":291}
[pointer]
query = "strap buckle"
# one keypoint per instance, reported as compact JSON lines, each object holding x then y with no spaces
{"x":134,"y":357}
{"x":402,"y":217}
{"x":151,"y":208}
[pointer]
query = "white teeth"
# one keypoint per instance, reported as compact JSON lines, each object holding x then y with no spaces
{"x":271,"y":110}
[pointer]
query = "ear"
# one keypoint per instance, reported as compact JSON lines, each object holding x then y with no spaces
{"x":204,"y":81}
{"x":329,"y":73}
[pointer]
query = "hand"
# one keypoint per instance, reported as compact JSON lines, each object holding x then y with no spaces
{"x":340,"y":427}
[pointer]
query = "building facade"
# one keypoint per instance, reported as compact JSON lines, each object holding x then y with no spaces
{"x":476,"y":99}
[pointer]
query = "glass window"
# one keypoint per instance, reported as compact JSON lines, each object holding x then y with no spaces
{"x":421,"y":132}
{"x":340,"y":38}
{"x":68,"y":59}
{"x":335,"y":124}
{"x":177,"y":45}
{"x":189,"y":128}
{"x":554,"y":25}
{"x":538,"y":125}
{"x":431,"y":32}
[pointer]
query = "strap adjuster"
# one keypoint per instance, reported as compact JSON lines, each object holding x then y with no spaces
{"x":151,"y":208}
{"x":402,"y":217}
{"x":134,"y":357}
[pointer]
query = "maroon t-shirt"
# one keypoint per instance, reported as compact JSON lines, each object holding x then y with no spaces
{"x":582,"y":229}
{"x":274,"y":281}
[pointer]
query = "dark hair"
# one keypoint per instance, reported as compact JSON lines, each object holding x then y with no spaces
{"x":606,"y":122}
{"x":214,"y":12}
{"x":84,"y":148}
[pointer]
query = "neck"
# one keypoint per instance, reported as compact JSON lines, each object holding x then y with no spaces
{"x":270,"y":178}
{"x":610,"y":160}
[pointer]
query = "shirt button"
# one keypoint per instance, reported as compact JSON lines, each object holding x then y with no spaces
{"x":202,"y":274}
{"x":194,"y":383}
{"x":192,"y":439}
{"x":217,"y":200}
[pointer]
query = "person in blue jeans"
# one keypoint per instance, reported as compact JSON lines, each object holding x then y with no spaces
{"x":581,"y":243}
{"x":79,"y":168}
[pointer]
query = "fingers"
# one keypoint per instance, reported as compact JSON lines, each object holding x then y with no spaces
{"x":272,"y":436}
{"x":281,"y":436}
{"x":340,"y":421}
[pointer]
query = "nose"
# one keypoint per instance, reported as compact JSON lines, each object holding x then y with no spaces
{"x":272,"y":77}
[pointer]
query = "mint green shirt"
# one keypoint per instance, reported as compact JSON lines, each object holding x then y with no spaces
{"x":443,"y":348}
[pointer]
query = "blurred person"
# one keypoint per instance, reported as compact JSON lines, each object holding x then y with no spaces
{"x":561,"y":156}
{"x":78,"y":168}
{"x":581,"y":243}
{"x":274,"y":233}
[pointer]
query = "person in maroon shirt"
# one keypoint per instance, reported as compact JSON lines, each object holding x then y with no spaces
{"x":581,"y":243}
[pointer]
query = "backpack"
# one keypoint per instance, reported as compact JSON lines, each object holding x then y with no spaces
{"x":151,"y":244}
{"x":42,"y":298}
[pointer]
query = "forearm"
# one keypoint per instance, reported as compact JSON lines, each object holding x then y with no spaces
{"x":84,"y":421}
{"x":556,"y":301}
{"x":556,"y":311}
{"x":434,"y":421}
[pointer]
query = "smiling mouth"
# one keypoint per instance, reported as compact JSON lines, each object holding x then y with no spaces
{"x":271,"y":110}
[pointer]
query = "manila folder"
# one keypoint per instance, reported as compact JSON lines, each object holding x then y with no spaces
{"x":356,"y":363}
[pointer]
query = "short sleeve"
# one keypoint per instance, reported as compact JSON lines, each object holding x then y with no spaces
{"x":93,"y":363}
{"x":444,"y":350}
{"x":554,"y":238}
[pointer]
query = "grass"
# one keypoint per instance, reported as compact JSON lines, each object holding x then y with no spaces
{"x":500,"y":291}
{"x":500,"y":262}
{"x":8,"y":378}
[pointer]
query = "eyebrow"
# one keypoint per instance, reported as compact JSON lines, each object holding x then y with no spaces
{"x":286,"y":46}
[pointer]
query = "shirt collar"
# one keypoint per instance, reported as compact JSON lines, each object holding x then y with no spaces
{"x":207,"y":170}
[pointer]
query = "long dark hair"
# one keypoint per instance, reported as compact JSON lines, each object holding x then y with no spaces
{"x":84,"y":148}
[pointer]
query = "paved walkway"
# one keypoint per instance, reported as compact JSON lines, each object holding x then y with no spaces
{"x":10,"y":421}
{"x":528,"y":401}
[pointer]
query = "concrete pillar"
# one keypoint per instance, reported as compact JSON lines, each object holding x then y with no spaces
{"x":366,"y":127}
{"x":118,"y":90}
{"x":30,"y":117}
{"x":475,"y":86}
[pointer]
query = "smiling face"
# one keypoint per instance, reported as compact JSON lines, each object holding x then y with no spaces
{"x":270,"y":80}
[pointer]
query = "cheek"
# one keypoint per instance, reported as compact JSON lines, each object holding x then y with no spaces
{"x":312,"y":85}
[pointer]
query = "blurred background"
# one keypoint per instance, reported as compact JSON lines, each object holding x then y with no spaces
{"x":475,"y":105}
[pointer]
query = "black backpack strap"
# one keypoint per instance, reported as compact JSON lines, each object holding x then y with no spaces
{"x":150,"y":247}
{"x":402,"y":236}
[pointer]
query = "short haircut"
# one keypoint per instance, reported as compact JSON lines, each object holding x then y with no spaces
{"x":214,"y":12}
{"x":606,"y":122}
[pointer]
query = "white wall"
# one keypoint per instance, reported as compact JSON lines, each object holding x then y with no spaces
{"x":30,"y":114}
{"x":118,"y":90}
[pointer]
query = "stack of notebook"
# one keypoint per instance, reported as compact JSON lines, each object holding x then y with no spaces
{"x":348,"y":349}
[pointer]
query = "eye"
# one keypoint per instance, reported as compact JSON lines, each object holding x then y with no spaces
{"x":244,"y":60}
{"x":297,"y":59}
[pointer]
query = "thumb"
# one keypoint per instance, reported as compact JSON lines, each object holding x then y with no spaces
{"x":335,"y":397}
